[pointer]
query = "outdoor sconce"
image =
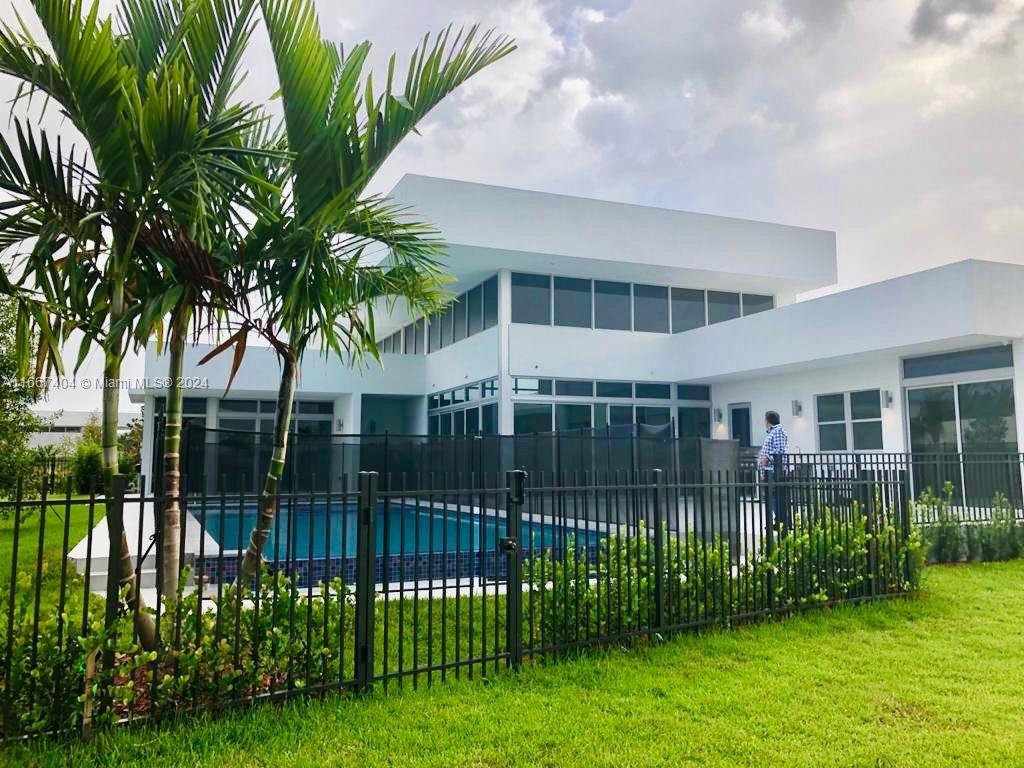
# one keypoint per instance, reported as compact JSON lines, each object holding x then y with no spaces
{"x":887,"y":399}
{"x":718,"y":415}
{"x":798,"y":408}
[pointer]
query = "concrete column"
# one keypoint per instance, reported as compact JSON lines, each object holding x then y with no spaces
{"x":1018,"y":389}
{"x":506,"y":421}
{"x":148,"y":437}
{"x":345,"y":428}
{"x":210,"y":459}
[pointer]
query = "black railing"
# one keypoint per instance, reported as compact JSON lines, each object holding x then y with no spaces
{"x":222,"y":460}
{"x":973,"y":483}
{"x":410,"y":578}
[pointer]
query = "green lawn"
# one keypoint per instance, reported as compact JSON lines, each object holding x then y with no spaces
{"x":933,"y":681}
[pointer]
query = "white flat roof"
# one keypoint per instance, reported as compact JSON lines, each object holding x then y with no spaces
{"x":966,"y":304}
{"x":489,"y":227}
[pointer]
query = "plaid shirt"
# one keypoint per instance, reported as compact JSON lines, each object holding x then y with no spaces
{"x":775,"y":442}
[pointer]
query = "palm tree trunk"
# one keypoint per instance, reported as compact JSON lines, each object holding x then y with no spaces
{"x":171,"y":521}
{"x":144,"y":624}
{"x":268,"y":498}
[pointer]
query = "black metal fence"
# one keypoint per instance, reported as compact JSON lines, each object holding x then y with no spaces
{"x":972,"y":484}
{"x":221,"y":460}
{"x":410,"y":578}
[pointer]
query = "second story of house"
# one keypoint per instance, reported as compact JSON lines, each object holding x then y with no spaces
{"x":565,"y":286}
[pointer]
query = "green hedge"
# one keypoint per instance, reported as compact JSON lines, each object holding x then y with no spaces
{"x":948,"y":539}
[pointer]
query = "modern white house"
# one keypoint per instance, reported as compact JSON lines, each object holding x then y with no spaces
{"x":573,"y":313}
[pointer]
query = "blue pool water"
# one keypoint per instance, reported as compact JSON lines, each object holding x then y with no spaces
{"x":318,"y":532}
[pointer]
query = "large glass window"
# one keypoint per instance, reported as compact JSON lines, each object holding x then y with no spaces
{"x":831,"y":411}
{"x":850,"y":419}
{"x":418,"y":332}
{"x":694,"y":422}
{"x":574,"y":388}
{"x":475,"y":310}
{"x":722,"y":306}
{"x":932,"y":416}
{"x":646,"y":391}
{"x":694,"y":392}
{"x":650,"y":308}
{"x":754,"y":303}
{"x":653,"y":416}
{"x":489,"y":419}
{"x":611,"y":306}
{"x":531,"y":386}
{"x":572,"y":416}
{"x":459,"y":318}
{"x":491,"y":303}
{"x":614,"y":389}
{"x":531,"y":299}
{"x":987,"y":419}
{"x":473,"y":421}
{"x":435,"y":332}
{"x":866,"y":420}
{"x":962,"y":361}
{"x":620,"y":415}
{"x":446,"y":326}
{"x":529,"y":418}
{"x":572,"y":302}
{"x":688,"y":310}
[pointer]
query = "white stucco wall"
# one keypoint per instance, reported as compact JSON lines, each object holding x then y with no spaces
{"x":777,"y":393}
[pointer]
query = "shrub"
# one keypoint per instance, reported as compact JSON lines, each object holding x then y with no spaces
{"x":87,"y":466}
{"x":947,"y":539}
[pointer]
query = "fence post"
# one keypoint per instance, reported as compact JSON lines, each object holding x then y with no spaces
{"x":516,"y":483}
{"x":366,"y":560}
{"x":115,"y":522}
{"x":770,"y":499}
{"x":658,"y":524}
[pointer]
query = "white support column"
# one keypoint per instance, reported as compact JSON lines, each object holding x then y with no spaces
{"x":506,"y":420}
{"x":345,"y":448}
{"x":210,"y":455}
{"x":148,"y":438}
{"x":1018,"y":390}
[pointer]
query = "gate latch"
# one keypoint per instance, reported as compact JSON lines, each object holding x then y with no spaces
{"x":508,"y":544}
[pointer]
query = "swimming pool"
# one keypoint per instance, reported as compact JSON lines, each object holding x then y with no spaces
{"x":319,"y":530}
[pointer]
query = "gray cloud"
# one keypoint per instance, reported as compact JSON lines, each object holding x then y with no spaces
{"x":948,"y":20}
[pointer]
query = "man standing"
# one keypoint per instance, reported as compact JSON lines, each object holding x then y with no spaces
{"x":774,"y":447}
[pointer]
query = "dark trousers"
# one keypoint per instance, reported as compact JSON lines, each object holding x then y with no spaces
{"x":780,"y":512}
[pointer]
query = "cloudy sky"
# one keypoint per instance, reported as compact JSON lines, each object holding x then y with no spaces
{"x":891,"y":122}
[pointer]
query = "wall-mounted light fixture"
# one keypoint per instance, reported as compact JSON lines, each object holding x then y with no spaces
{"x":798,"y":408}
{"x":718,"y":415}
{"x":887,"y":399}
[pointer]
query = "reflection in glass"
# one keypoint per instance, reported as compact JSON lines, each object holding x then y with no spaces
{"x":722,"y":306}
{"x":611,"y":306}
{"x":531,"y":299}
{"x":532,"y":417}
{"x":987,"y":420}
{"x":687,"y":309}
{"x":572,"y":302}
{"x":932,"y":415}
{"x":572,"y":416}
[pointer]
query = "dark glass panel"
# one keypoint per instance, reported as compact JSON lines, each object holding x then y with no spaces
{"x":475,"y":310}
{"x":687,"y":309}
{"x":532,"y":417}
{"x":754,"y":303}
{"x":722,"y":306}
{"x":491,"y":303}
{"x":831,"y":408}
{"x":614,"y":389}
{"x":572,"y":302}
{"x":574,"y":388}
{"x":611,"y":306}
{"x":866,"y":404}
{"x":531,"y":299}
{"x":650,"y":308}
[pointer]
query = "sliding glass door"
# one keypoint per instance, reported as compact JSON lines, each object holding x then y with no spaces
{"x":976,"y":419}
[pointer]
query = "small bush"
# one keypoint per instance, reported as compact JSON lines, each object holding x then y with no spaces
{"x":947,"y":539}
{"x":87,"y":466}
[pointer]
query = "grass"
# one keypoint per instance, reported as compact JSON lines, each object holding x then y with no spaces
{"x":928,"y":682}
{"x":53,"y":544}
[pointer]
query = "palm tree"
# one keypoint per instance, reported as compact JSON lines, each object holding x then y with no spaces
{"x":149,"y":99}
{"x":340,"y":133}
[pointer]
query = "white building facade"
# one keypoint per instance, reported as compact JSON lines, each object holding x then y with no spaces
{"x":571,"y":313}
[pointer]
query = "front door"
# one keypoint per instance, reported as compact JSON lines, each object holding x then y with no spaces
{"x":739,"y":424}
